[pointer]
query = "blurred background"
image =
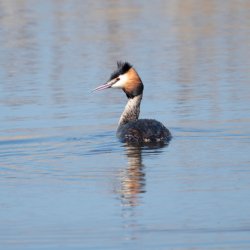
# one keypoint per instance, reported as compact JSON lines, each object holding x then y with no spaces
{"x":65,"y":180}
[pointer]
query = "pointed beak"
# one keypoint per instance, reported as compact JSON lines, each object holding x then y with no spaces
{"x":104,"y":86}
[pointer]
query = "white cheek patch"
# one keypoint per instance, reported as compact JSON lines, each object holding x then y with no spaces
{"x":121,"y":83}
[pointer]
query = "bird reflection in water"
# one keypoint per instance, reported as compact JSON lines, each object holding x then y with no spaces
{"x":133,"y":178}
{"x":132,"y":185}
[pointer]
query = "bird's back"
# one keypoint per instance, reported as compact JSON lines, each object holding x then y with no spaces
{"x":143,"y":131}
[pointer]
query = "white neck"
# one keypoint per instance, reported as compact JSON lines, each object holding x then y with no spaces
{"x":131,"y":111}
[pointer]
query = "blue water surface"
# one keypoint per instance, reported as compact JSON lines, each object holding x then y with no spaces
{"x":66,"y":182}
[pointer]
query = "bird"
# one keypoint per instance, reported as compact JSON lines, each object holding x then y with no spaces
{"x":131,"y":129}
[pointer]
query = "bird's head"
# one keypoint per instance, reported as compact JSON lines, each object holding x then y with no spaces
{"x":126,"y":78}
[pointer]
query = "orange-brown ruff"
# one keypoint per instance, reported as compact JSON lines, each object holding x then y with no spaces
{"x":130,"y":128}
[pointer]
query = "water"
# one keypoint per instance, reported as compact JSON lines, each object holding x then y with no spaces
{"x":67,"y":183}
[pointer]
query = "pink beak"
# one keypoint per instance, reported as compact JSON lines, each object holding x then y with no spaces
{"x":107,"y":85}
{"x":104,"y":86}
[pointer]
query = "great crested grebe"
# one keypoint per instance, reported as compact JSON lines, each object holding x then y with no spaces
{"x":130,"y":129}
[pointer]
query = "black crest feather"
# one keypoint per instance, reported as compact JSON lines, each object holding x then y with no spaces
{"x":122,"y":68}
